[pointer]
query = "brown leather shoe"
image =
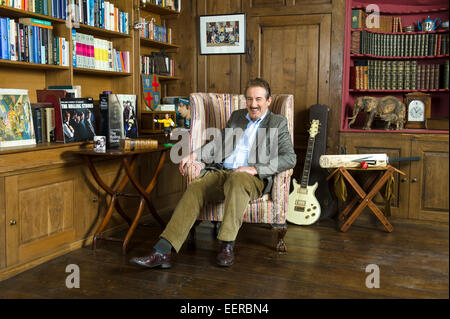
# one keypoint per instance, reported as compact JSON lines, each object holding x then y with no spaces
{"x":156,"y":259}
{"x":226,"y":256}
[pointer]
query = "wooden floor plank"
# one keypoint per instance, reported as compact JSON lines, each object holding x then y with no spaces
{"x":322,"y":262}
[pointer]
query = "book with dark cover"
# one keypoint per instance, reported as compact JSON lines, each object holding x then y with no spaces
{"x":37,"y":124}
{"x":104,"y":117}
{"x":78,"y":119}
{"x":413,"y":77}
{"x":355,"y":42}
{"x":444,"y":75}
{"x":53,"y":96}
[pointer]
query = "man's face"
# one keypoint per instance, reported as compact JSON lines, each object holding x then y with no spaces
{"x":257,"y":104}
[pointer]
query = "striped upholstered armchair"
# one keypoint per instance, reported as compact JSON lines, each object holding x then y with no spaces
{"x":213,"y":110}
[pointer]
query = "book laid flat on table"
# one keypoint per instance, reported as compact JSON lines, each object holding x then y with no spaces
{"x":128,"y":144}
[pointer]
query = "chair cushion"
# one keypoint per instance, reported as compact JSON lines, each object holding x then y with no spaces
{"x":258,"y":211}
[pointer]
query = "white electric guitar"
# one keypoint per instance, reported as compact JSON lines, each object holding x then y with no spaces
{"x":303,"y":207}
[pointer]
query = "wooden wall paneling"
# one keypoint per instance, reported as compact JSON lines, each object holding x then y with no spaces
{"x":109,"y":171}
{"x":293,"y":54}
{"x":170,"y":185}
{"x":86,"y":203}
{"x":2,"y":224}
{"x":218,"y":73}
{"x":92,"y":86}
{"x":268,"y":3}
{"x":286,"y":7}
{"x":34,"y":80}
{"x":429,"y":180}
{"x":185,"y":34}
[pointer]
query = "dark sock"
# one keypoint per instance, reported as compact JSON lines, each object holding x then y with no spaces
{"x":163,"y":246}
{"x":228,"y":242}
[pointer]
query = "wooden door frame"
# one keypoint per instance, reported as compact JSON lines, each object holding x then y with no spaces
{"x":255,"y":25}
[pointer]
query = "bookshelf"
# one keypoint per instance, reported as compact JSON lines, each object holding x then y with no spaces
{"x":40,"y":177}
{"x":93,"y":81}
{"x":377,"y":62}
{"x":422,"y":192}
{"x":154,"y":35}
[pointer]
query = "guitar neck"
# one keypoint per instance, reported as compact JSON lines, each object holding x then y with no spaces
{"x":308,"y":160}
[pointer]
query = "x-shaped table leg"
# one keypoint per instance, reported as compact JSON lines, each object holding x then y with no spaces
{"x":114,"y":193}
{"x":145,"y":196}
{"x":367,"y":199}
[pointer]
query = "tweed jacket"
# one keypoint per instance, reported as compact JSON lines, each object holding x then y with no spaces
{"x":271,"y":153}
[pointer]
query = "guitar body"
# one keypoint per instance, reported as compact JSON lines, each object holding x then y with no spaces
{"x":319,"y":175}
{"x":303,"y":207}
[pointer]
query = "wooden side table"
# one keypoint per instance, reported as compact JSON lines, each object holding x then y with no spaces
{"x":364,"y":194}
{"x":142,"y":192}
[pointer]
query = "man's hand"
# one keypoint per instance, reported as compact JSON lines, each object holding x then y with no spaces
{"x":190,"y":158}
{"x":247,"y":169}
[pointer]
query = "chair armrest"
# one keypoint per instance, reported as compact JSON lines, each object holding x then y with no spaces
{"x":193,"y":170}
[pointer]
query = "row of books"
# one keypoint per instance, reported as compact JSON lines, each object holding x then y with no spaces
{"x":53,"y":8}
{"x":170,"y":4}
{"x":43,"y":123}
{"x":94,"y":53}
{"x":361,"y":20}
{"x":97,"y":13}
{"x":32,"y":40}
{"x":398,"y":75}
{"x":71,"y":119}
{"x":150,"y":30}
{"x":399,"y":45}
{"x":100,"y":14}
{"x":157,"y":63}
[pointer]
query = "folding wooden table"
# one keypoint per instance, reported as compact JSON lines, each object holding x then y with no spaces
{"x":142,"y":192}
{"x":364,"y":194}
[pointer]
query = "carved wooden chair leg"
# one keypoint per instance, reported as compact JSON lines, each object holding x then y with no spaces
{"x":192,"y":237}
{"x":281,"y":230}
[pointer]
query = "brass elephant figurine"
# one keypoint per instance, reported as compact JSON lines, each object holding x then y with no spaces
{"x":389,"y":108}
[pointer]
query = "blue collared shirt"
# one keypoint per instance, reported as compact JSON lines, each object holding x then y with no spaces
{"x":239,"y":157}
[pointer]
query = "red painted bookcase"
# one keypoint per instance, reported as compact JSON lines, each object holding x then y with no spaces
{"x":409,"y":11}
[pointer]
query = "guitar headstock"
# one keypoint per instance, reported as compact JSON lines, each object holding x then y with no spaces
{"x":314,"y":129}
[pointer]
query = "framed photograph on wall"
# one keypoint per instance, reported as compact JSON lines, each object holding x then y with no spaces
{"x":222,"y":34}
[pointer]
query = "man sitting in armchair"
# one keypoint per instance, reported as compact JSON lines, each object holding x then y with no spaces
{"x":236,"y":173}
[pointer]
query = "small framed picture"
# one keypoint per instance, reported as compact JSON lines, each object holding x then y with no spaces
{"x":222,"y":34}
{"x":100,"y":144}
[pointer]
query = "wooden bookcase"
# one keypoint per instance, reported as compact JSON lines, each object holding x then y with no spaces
{"x":423,"y":192}
{"x":144,"y":47}
{"x":36,"y":180}
{"x":409,"y":13}
{"x":93,"y":82}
